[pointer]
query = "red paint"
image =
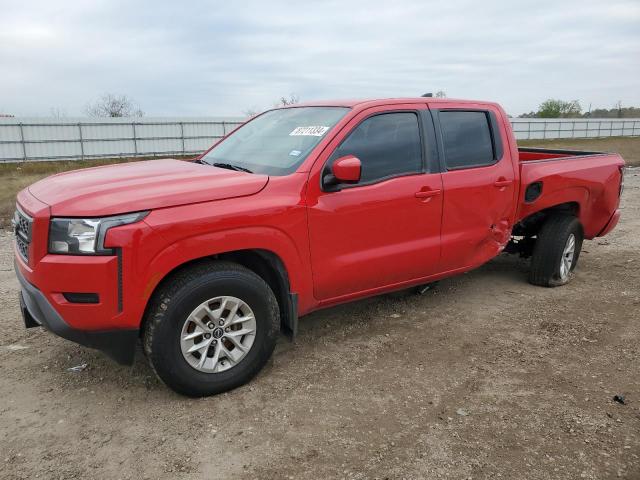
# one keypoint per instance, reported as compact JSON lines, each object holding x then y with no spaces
{"x":335,"y":246}
{"x":127,"y":187}
{"x":347,"y":169}
{"x":526,"y":156}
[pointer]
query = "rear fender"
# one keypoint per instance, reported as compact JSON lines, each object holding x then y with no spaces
{"x":549,"y":199}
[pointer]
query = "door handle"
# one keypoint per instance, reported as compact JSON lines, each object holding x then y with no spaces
{"x":500,"y":183}
{"x":427,"y":193}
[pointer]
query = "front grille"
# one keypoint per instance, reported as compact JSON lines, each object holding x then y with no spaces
{"x":22,"y":224}
{"x":23,"y":248}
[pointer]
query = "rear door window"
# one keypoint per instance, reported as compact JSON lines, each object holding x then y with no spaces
{"x":466,"y":139}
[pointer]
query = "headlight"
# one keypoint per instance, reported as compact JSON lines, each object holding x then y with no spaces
{"x":85,"y":236}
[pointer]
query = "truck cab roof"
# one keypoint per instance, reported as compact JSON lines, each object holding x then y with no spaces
{"x":372,"y":102}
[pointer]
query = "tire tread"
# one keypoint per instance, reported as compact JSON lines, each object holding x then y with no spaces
{"x":162,"y":299}
{"x":550,"y":245}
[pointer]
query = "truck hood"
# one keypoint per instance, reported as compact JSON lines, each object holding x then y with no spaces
{"x":137,"y":186}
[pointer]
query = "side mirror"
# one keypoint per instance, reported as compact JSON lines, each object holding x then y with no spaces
{"x":345,"y":169}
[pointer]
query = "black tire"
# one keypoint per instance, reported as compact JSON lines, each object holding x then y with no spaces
{"x":549,"y":247}
{"x":177,"y":298}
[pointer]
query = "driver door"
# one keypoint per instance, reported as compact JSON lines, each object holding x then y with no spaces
{"x":384,"y":230}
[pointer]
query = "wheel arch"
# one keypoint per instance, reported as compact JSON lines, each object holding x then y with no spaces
{"x":573,"y":200}
{"x":270,"y":267}
{"x":532,"y":223}
{"x":264,"y":263}
{"x":279,"y":265}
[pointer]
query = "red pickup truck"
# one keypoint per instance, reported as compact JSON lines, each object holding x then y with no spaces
{"x":300,"y":208}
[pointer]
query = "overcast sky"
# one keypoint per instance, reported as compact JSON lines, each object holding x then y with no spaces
{"x":222,"y":58}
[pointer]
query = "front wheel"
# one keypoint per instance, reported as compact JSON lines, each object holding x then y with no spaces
{"x":211,"y":328}
{"x":556,"y":251}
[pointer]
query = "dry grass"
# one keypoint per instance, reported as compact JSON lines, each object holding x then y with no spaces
{"x":628,"y":147}
{"x":16,"y":176}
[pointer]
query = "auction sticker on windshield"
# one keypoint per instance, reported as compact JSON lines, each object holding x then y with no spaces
{"x":313,"y":131}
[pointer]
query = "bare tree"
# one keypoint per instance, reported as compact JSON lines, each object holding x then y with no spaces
{"x":57,"y":112}
{"x":4,"y":115}
{"x":111,"y":105}
{"x":441,"y":94}
{"x":251,"y":111}
{"x":292,"y":99}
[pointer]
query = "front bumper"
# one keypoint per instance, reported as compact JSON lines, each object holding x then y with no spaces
{"x":37,"y":311}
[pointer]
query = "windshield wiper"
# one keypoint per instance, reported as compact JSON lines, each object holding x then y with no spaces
{"x":230,"y":166}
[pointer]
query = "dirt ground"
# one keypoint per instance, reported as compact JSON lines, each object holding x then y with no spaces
{"x":484,"y":377}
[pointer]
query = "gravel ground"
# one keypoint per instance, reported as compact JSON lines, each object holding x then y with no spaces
{"x":484,"y":377}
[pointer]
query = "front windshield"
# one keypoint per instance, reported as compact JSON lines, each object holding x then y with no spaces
{"x":276,"y":142}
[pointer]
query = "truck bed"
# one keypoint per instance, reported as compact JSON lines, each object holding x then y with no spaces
{"x":588,"y":183}
{"x":535,"y":154}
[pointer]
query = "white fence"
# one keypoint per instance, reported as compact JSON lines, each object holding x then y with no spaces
{"x":541,"y":128}
{"x":38,"y":139}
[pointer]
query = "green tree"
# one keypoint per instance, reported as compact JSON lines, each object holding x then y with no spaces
{"x":553,"y":108}
{"x":616,"y":112}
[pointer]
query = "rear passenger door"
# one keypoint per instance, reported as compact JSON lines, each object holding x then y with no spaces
{"x":478,"y":178}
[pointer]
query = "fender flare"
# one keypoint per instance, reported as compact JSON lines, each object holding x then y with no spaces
{"x":577,"y":195}
{"x":268,"y":242}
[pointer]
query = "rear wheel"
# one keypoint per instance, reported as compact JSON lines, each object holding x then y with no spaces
{"x":211,"y":328}
{"x":556,"y":251}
